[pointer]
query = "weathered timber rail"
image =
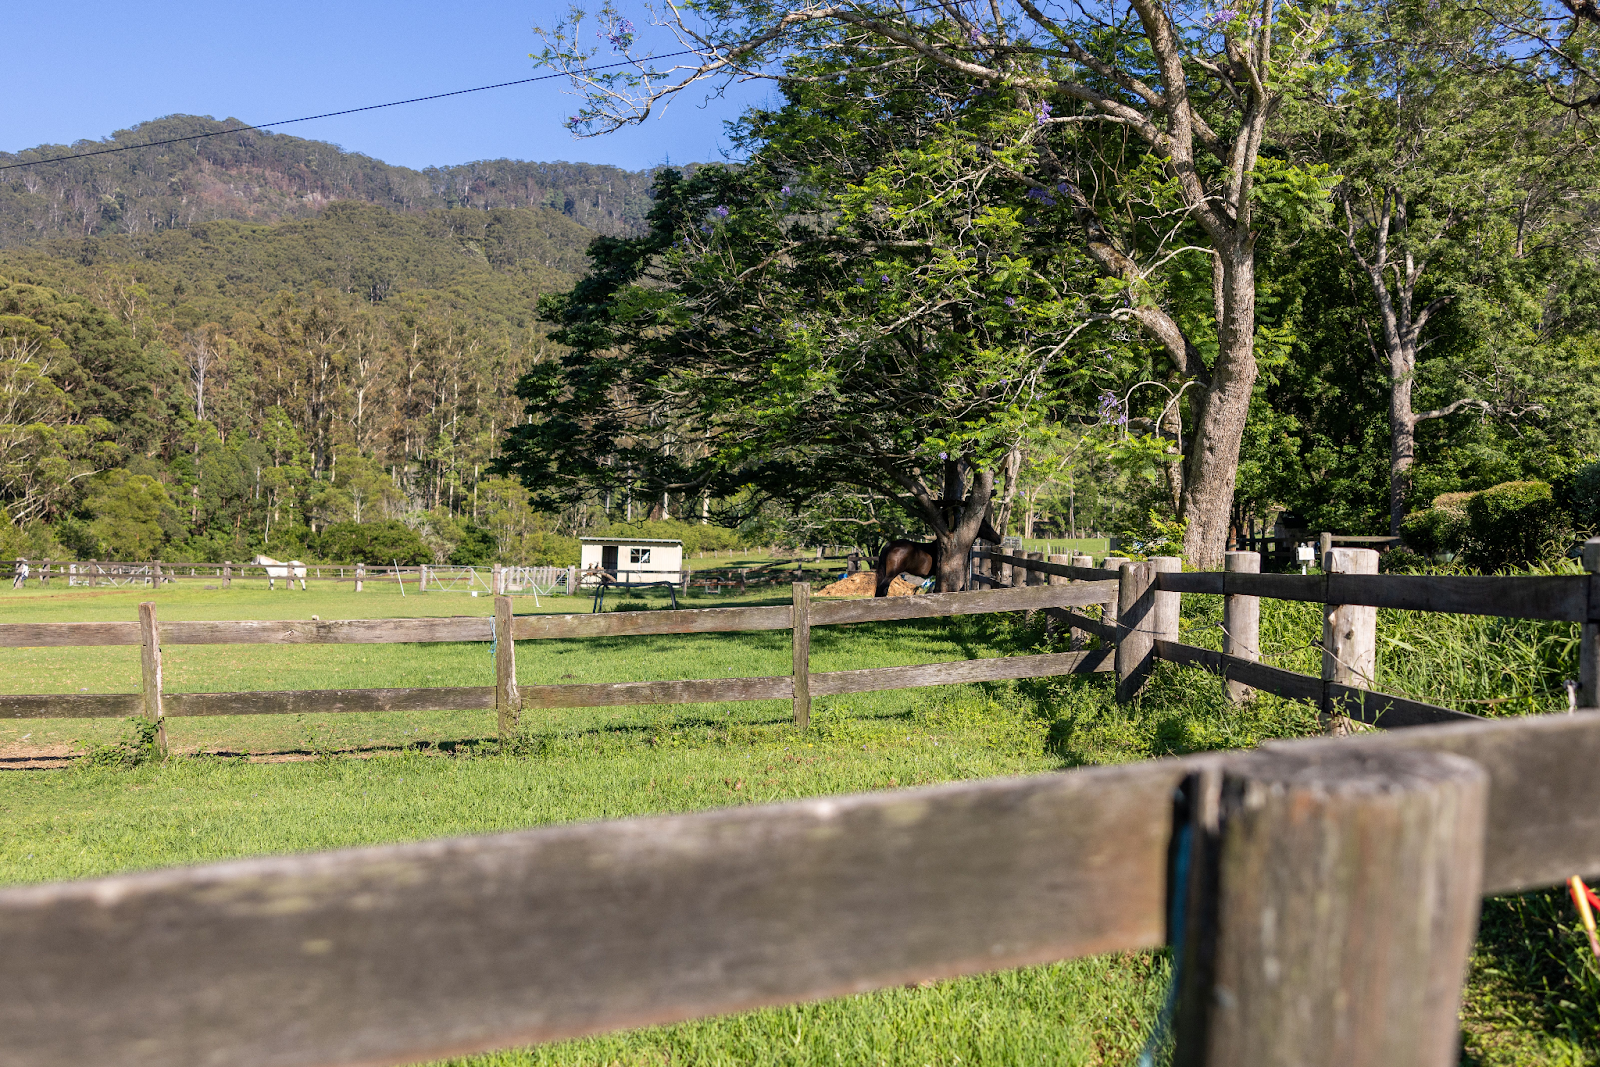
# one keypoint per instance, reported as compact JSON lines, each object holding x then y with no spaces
{"x":506,"y":696}
{"x":1349,"y":589}
{"x":418,"y":951}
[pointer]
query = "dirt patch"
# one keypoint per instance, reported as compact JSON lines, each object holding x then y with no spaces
{"x":864,"y":583}
{"x":21,"y":756}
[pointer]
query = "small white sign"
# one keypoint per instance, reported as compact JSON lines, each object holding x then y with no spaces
{"x":1305,"y":554}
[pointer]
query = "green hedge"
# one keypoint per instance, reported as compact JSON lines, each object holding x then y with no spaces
{"x":1508,"y":525}
{"x":1513,"y":524}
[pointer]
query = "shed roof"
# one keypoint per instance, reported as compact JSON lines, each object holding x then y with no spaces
{"x":631,"y":540}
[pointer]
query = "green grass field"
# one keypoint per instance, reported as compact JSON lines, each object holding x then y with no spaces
{"x":362,"y":779}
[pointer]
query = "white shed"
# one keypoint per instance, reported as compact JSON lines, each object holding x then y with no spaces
{"x":631,"y":559}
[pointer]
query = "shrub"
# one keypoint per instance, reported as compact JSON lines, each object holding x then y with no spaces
{"x":1440,"y":530}
{"x":133,"y":515}
{"x":1512,"y":524}
{"x":1402,"y":561}
{"x":373,"y":542}
{"x":1583,"y":497}
{"x":475,"y":547}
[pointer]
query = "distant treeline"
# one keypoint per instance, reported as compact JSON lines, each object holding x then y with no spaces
{"x":261,"y":176}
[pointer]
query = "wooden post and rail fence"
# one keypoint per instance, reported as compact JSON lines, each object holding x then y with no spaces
{"x":1320,"y":896}
{"x":488,"y":579}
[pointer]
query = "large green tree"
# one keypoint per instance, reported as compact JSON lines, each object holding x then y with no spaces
{"x":1452,"y":183}
{"x":879,"y":298}
{"x":1180,"y":100}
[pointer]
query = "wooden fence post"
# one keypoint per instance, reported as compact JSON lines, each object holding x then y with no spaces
{"x":155,"y":574}
{"x":150,"y":671}
{"x":90,"y":569}
{"x":572,"y":580}
{"x":422,"y":578}
{"x":802,"y":654}
{"x":1589,"y":645}
{"x":227,"y":573}
{"x":1108,"y":614}
{"x":1349,"y":634}
{"x":1324,"y":546}
{"x":361,"y":573}
{"x":1241,"y":621}
{"x":1143,"y":614}
{"x":1168,"y":605}
{"x":1035,"y":577}
{"x":1135,"y":634}
{"x":497,"y":583}
{"x":507,"y":703}
{"x":1329,"y":908}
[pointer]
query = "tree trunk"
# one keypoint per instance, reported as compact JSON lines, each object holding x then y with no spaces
{"x":954,"y":518}
{"x":1402,"y":436}
{"x":1223,"y":407}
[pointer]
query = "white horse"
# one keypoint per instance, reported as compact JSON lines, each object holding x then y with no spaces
{"x":277,"y":569}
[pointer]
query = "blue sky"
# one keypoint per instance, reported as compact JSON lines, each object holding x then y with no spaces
{"x":85,"y":69}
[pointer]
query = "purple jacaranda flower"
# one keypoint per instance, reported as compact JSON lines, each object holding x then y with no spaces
{"x":621,"y":36}
{"x":785,"y":190}
{"x":1111,"y":410}
{"x":1011,"y":301}
{"x":884,"y":278}
{"x":721,"y":212}
{"x":1062,"y":187}
{"x":1044,"y":113}
{"x":944,"y":455}
{"x":861,"y":281}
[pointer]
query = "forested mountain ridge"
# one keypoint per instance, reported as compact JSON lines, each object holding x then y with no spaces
{"x":264,"y":177}
{"x":206,"y":391}
{"x":499,"y":261}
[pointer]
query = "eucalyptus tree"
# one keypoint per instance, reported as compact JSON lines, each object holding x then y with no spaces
{"x":1447,"y":176}
{"x":1173,"y":102}
{"x":877,"y":299}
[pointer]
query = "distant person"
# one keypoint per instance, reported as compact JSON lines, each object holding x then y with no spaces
{"x":19,"y":574}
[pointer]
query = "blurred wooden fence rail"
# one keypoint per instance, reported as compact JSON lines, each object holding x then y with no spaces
{"x":506,"y":695}
{"x":1327,"y":893}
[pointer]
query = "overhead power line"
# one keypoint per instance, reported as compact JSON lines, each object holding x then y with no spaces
{"x":330,"y":114}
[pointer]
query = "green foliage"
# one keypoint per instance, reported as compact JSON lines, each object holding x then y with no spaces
{"x":1513,"y":524}
{"x":1583,"y":497}
{"x":892,"y":328}
{"x":12,"y":541}
{"x":382,"y":542}
{"x":1440,"y":531}
{"x":132,"y":516}
{"x":138,"y":747}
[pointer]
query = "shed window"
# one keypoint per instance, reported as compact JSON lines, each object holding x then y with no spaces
{"x":638,"y":555}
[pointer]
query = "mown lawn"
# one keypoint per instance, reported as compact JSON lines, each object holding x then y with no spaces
{"x":370,"y":779}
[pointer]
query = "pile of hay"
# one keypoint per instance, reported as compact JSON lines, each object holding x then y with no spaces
{"x":864,"y":583}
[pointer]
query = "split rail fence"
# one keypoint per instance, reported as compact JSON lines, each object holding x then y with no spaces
{"x":506,"y":696}
{"x":1320,"y":896}
{"x":421,"y":578}
{"x":1142,"y":622}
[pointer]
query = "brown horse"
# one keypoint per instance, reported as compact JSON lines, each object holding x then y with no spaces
{"x":915,"y":557}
